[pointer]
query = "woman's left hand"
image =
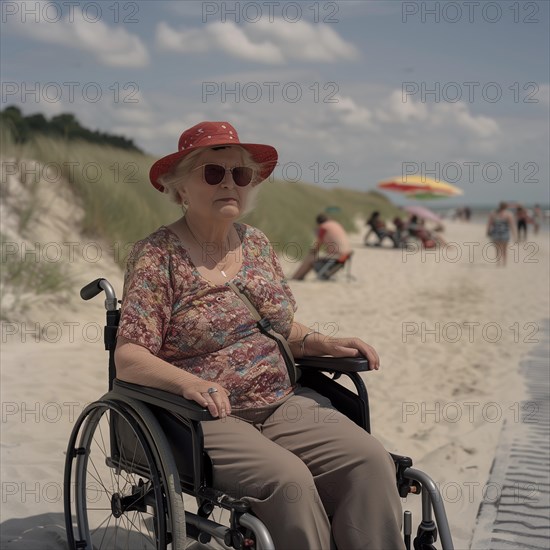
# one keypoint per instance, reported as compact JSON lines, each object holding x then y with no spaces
{"x":351,"y":347}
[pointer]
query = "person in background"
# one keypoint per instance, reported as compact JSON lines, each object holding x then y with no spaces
{"x":537,"y":218}
{"x":400,"y":229}
{"x":499,"y":228}
{"x":378,"y":227}
{"x":417,"y":228}
{"x":522,"y":219}
{"x":331,"y":243}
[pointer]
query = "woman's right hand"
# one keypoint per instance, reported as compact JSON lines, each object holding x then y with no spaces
{"x":217,"y":402}
{"x":137,"y":365}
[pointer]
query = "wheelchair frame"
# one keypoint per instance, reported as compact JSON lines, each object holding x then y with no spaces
{"x":140,"y":415}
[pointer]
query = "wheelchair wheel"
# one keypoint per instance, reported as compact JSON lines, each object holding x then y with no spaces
{"x":121,"y":481}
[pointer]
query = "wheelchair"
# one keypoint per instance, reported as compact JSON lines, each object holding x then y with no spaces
{"x":135,"y":458}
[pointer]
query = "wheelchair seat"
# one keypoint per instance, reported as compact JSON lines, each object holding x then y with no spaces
{"x":137,"y":476}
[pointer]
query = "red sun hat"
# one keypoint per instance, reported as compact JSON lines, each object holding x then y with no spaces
{"x":212,"y":134}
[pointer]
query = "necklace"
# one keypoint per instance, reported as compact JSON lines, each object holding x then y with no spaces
{"x":201,"y":246}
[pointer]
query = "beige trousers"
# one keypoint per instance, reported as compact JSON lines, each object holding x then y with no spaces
{"x":302,"y":462}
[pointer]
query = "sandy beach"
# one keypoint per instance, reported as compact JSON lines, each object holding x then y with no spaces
{"x":449,"y":325}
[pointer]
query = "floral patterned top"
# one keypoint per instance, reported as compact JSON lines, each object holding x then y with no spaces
{"x":205,"y":328}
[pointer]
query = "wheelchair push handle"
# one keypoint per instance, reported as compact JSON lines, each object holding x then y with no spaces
{"x":91,"y":290}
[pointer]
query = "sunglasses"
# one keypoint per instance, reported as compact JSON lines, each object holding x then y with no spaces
{"x":214,"y":174}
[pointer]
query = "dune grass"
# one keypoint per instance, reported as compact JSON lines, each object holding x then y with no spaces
{"x":121,"y":206}
{"x":111,"y":184}
{"x":29,"y":275}
{"x":23,"y":277}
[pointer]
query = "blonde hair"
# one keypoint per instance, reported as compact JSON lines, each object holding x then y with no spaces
{"x":172,"y":181}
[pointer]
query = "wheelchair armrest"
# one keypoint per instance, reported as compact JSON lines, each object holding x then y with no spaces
{"x":334,"y":364}
{"x":163,"y":399}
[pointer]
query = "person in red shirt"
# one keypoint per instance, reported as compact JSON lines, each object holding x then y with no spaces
{"x":332,"y":239}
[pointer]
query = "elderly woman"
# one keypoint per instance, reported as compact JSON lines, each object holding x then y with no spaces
{"x":185,"y":329}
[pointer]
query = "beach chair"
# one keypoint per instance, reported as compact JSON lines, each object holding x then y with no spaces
{"x":380,"y":235}
{"x":325,"y":268}
{"x":136,"y":452}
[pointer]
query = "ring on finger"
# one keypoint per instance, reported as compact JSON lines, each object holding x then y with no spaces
{"x":212,"y":390}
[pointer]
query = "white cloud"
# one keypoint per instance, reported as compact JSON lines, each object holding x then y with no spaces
{"x":233,"y":40}
{"x":185,"y":41}
{"x":351,"y":114}
{"x":345,"y":142}
{"x":305,"y":41}
{"x":397,"y":110}
{"x":112,"y":46}
{"x":450,"y":117}
{"x":226,"y":37}
{"x":274,"y":42}
{"x":328,"y":131}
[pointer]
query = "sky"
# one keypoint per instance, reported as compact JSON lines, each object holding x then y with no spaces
{"x":350,"y":93}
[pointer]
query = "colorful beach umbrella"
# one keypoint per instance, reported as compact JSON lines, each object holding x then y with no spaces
{"x":419,"y":187}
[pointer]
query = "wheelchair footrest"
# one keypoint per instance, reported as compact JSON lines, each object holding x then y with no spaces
{"x":404,"y":484}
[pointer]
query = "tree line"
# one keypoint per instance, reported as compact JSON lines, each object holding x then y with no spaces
{"x":64,"y":126}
